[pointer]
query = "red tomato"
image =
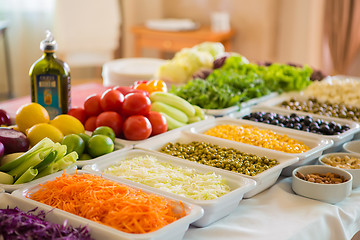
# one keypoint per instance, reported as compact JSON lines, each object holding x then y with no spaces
{"x":125,"y":90}
{"x":111,"y":100}
{"x":90,"y":123}
{"x":79,"y":113}
{"x":136,"y":104}
{"x":112,"y":120}
{"x":92,"y":105}
{"x":158,"y":123}
{"x":137,"y":127}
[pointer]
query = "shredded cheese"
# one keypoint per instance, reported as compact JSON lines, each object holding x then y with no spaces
{"x":185,"y":182}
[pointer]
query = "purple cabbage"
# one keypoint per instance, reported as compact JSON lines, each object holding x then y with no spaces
{"x":18,"y":225}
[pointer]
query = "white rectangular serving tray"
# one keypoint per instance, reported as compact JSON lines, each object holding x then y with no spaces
{"x":317,"y":144}
{"x":339,"y":140}
{"x":174,"y":230}
{"x":276,"y":104}
{"x":251,"y":102}
{"x":263,"y":180}
{"x":214,"y":209}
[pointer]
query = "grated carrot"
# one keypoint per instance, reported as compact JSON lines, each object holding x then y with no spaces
{"x":107,"y":202}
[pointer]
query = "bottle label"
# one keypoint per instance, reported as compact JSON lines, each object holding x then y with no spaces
{"x":48,"y":93}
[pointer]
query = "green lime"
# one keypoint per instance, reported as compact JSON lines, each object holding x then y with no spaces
{"x":99,"y":145}
{"x":85,"y":156}
{"x":85,"y":137}
{"x":104,"y":130}
{"x":74,"y":142}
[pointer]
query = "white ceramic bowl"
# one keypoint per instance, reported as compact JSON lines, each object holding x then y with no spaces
{"x":126,"y":71}
{"x":354,"y":172}
{"x":330,"y":193}
{"x":352,"y":147}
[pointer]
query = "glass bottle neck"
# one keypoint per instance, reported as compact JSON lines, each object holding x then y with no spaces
{"x":49,"y":54}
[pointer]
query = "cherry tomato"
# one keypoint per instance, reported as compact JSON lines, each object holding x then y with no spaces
{"x":112,"y":120}
{"x":137,"y":127}
{"x":79,"y":113}
{"x":158,"y":123}
{"x":125,"y":90}
{"x":92,"y":105}
{"x":136,"y":104}
{"x":111,"y":100}
{"x":90,"y":123}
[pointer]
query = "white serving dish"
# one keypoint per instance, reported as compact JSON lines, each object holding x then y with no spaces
{"x":330,"y":193}
{"x":276,"y":101}
{"x":126,"y":71}
{"x":352,"y":147}
{"x":339,"y":140}
{"x":354,"y":172}
{"x":214,"y":209}
{"x":243,"y":105}
{"x":12,"y":187}
{"x":174,"y":230}
{"x":120,"y":145}
{"x":263,"y":180}
{"x":2,"y":190}
{"x":317,"y":144}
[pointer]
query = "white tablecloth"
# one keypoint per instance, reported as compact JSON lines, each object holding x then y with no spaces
{"x":278,"y":213}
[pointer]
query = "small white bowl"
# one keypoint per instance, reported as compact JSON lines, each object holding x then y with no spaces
{"x":352,"y":147}
{"x":354,"y":172}
{"x":330,"y":193}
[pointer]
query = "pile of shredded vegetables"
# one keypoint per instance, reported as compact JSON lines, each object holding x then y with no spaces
{"x":186,"y":182}
{"x":20,"y":225}
{"x":107,"y":202}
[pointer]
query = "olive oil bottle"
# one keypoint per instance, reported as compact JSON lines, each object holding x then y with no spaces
{"x":50,"y":80}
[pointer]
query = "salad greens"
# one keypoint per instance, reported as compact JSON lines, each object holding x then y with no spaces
{"x":238,"y":81}
{"x":16,"y":224}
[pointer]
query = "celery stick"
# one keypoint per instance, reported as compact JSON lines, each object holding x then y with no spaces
{"x":6,"y":178}
{"x":47,"y":160}
{"x":27,"y":176}
{"x":59,"y":165}
{"x":44,"y":143}
{"x":61,"y":151}
{"x":30,"y":162}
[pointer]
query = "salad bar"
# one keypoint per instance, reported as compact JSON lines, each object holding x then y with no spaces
{"x":231,"y":152}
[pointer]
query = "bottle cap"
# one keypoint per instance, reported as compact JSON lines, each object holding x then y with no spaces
{"x":48,"y":44}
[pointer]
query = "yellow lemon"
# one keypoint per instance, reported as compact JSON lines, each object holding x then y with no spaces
{"x":68,"y":124}
{"x":41,"y":130}
{"x":30,"y":114}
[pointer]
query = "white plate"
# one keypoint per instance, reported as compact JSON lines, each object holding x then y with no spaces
{"x":317,"y":144}
{"x":214,"y":209}
{"x":171,"y":24}
{"x":263,"y":180}
{"x":249,"y":103}
{"x":339,"y":140}
{"x":174,"y":230}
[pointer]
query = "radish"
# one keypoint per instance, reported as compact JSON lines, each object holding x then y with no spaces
{"x":13,"y":141}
